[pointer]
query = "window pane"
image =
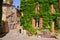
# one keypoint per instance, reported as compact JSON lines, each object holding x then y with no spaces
{"x":12,"y":18}
{"x":12,"y":26}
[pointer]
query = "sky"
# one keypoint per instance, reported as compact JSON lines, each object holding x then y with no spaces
{"x":16,"y":3}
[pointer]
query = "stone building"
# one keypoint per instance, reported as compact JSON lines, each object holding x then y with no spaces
{"x":10,"y":17}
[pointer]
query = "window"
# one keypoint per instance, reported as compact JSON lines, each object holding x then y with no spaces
{"x":12,"y":18}
{"x":13,"y":9}
{"x":36,"y":23}
{"x":53,"y":8}
{"x":12,"y":26}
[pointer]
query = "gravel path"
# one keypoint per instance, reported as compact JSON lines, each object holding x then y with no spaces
{"x":15,"y":35}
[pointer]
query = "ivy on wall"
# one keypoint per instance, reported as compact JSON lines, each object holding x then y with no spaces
{"x":28,"y":12}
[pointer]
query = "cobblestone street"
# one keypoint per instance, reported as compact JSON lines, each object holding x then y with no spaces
{"x":15,"y":35}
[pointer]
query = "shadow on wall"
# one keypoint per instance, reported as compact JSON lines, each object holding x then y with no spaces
{"x":4,"y":29}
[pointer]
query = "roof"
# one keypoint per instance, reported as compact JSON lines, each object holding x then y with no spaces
{"x":5,"y":4}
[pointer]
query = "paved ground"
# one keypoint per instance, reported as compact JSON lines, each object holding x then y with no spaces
{"x":15,"y":35}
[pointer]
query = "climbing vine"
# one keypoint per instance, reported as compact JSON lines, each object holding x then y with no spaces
{"x":28,"y":12}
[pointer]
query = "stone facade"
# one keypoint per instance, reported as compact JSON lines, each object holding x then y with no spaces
{"x":33,"y":22}
{"x":11,"y":15}
{"x":41,"y":22}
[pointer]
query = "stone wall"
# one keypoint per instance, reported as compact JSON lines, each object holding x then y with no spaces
{"x":8,"y":11}
{"x":41,"y":22}
{"x":33,"y":22}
